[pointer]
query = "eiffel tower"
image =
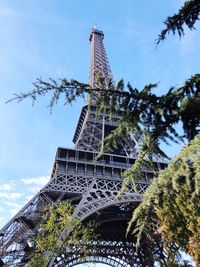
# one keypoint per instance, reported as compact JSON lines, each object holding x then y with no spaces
{"x":91,"y":185}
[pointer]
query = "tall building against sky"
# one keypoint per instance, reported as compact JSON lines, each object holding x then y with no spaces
{"x":91,"y":185}
{"x":98,"y":61}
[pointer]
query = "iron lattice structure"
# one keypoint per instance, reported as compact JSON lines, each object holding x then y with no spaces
{"x":91,"y":185}
{"x":98,"y":61}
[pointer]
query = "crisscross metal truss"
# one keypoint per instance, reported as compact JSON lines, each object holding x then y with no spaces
{"x":112,"y":253}
{"x":93,"y":128}
{"x":14,"y":235}
{"x":92,"y":185}
{"x":96,"y":193}
{"x":98,"y":60}
{"x":118,"y":254}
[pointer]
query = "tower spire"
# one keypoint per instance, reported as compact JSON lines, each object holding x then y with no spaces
{"x":92,"y":129}
{"x":98,"y":61}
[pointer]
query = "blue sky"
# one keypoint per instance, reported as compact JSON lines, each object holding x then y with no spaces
{"x":49,"y":38}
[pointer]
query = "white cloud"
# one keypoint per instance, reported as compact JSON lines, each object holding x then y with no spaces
{"x":12,"y":204}
{"x":12,"y":201}
{"x":34,"y":189}
{"x":37,"y":181}
{"x":10,"y":195}
{"x":6,"y":187}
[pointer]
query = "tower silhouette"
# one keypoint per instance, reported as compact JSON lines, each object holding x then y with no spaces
{"x":91,"y":185}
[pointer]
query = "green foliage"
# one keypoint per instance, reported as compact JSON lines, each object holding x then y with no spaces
{"x":188,"y":15}
{"x":141,"y":111}
{"x":69,"y":89}
{"x":153,"y":119}
{"x":143,"y":161}
{"x":59,"y":231}
{"x":172,"y":202}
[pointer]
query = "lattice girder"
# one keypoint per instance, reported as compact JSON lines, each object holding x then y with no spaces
{"x":91,"y":184}
{"x":114,"y":253}
{"x":121,"y":253}
{"x":99,"y":61}
{"x":14,"y":235}
{"x":76,"y":174}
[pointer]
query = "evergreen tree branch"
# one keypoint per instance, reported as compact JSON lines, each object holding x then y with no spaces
{"x":188,"y":15}
{"x":49,"y":242}
{"x":172,"y":201}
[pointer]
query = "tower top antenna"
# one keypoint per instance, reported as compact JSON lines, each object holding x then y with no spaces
{"x":96,"y":32}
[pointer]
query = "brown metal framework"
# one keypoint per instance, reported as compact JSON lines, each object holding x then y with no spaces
{"x":91,"y":185}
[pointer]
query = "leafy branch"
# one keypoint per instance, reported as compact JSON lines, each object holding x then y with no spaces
{"x":140,"y":110}
{"x":171,"y":203}
{"x":188,"y":15}
{"x":146,"y":118}
{"x":60,"y":219}
{"x":143,"y":114}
